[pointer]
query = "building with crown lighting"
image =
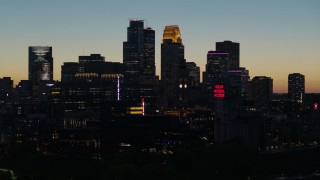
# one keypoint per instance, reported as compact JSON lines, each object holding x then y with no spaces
{"x":173,"y":66}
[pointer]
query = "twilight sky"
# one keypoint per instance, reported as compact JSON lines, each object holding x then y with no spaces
{"x":276,"y":37}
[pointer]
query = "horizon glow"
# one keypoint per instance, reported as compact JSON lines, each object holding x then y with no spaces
{"x":276,"y":37}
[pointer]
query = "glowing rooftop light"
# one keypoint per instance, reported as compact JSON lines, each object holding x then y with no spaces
{"x":172,"y":33}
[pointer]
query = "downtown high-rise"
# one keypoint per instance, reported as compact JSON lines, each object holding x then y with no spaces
{"x":140,"y":80}
{"x":296,"y":87}
{"x":139,"y":50}
{"x":173,"y":65}
{"x":40,"y":64}
{"x":217,"y":66}
{"x":233,"y":49}
{"x":261,"y":90}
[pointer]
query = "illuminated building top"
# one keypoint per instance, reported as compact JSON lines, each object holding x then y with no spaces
{"x":172,"y":33}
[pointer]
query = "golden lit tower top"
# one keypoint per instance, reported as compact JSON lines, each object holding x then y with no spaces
{"x":172,"y":33}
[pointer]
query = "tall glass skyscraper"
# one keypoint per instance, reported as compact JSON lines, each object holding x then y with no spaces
{"x":217,"y":66}
{"x":138,"y":58}
{"x":233,"y":49}
{"x":40,"y":64}
{"x":296,"y":87}
{"x":262,"y":90}
{"x":133,"y":50}
{"x":149,"y":67}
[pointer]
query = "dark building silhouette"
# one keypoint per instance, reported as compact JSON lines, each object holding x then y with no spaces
{"x":140,"y":81}
{"x":149,"y":67}
{"x":238,"y":79}
{"x":40,"y":64}
{"x":262,"y":90}
{"x":296,"y":87}
{"x":173,"y":65}
{"x":193,"y":73}
{"x":139,"y":62}
{"x":133,"y":50}
{"x":233,"y":49}
{"x":68,"y":70}
{"x":6,"y":89}
{"x":216,"y":67}
{"x":89,"y":59}
{"x":6,"y":84}
{"x":91,"y":81}
{"x":24,"y":89}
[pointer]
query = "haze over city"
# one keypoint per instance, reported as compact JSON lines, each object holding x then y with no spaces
{"x":276,"y":37}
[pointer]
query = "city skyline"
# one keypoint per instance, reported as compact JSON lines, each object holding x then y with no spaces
{"x":275,"y":37}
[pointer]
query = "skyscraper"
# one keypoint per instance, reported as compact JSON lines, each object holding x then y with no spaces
{"x":138,"y":58}
{"x":216,"y":67}
{"x":173,"y":64}
{"x":40,"y":64}
{"x":193,"y":73}
{"x":139,"y":50}
{"x":133,"y":59}
{"x":238,"y":82}
{"x":233,"y":49}
{"x":262,"y":90}
{"x":149,"y":67}
{"x":296,"y":87}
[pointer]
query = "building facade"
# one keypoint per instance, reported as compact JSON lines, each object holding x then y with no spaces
{"x":139,"y":62}
{"x":173,"y":65}
{"x":233,"y":49}
{"x":217,"y":67}
{"x":193,"y":73}
{"x":40,"y":64}
{"x":262,"y":90}
{"x":90,"y":82}
{"x":296,"y":87}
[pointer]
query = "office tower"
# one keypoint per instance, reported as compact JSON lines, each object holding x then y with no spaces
{"x":68,"y":70}
{"x":193,"y":73}
{"x":216,"y":67}
{"x":149,"y":67}
{"x":90,"y":82}
{"x":6,"y":88}
{"x":238,"y":79}
{"x":40,"y":64}
{"x":296,"y":87}
{"x":133,"y":50}
{"x":139,"y":60}
{"x":173,"y":64}
{"x":233,"y":49}
{"x":89,"y":59}
{"x":149,"y":82}
{"x":262,"y":90}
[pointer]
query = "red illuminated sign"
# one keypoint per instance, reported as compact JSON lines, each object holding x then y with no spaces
{"x":218,"y":91}
{"x":218,"y":86}
{"x":218,"y":95}
{"x":315,"y":106}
